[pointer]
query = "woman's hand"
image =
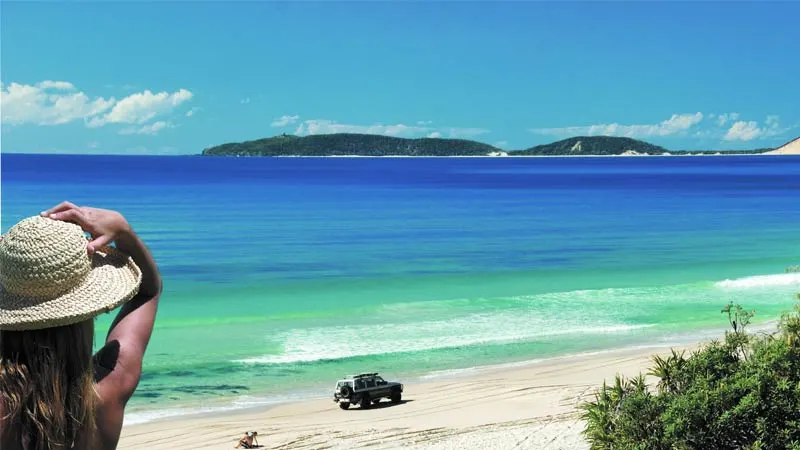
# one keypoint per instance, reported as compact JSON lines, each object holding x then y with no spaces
{"x":104,"y":225}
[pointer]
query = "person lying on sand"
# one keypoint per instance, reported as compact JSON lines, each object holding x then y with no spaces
{"x":248,"y":439}
{"x":54,"y":394}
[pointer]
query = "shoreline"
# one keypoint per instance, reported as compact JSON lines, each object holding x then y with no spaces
{"x":275,"y":396}
{"x":535,"y":399}
{"x":230,"y":406}
{"x":317,"y":392}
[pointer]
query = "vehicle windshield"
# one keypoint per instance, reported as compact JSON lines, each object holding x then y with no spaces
{"x":344,"y":383}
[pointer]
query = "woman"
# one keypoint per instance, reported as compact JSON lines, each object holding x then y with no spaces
{"x":53,"y":281}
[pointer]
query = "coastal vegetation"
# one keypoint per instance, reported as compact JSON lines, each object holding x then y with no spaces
{"x":742,"y":392}
{"x":595,"y":145}
{"x":349,"y":144}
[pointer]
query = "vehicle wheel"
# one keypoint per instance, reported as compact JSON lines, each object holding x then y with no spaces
{"x":376,"y":401}
{"x":344,"y":405}
{"x":396,"y":397}
{"x":345,"y":391}
{"x":365,"y":402}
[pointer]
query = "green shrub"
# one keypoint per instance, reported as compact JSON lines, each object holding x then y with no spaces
{"x":739,"y":393}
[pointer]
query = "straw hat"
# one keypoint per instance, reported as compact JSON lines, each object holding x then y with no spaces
{"x":48,"y":278}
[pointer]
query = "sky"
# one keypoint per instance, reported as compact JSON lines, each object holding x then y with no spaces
{"x":177,"y":77}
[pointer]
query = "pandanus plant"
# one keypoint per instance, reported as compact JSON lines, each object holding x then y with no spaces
{"x":667,"y":370}
{"x":600,"y":414}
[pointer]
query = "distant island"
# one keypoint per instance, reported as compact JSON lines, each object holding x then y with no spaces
{"x":348,"y":144}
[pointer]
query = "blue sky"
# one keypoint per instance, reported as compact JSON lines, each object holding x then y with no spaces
{"x":174,"y":78}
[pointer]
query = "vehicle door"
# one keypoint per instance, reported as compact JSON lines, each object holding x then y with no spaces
{"x":381,"y":387}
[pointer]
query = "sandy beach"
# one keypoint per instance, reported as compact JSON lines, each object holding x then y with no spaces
{"x":530,"y":406}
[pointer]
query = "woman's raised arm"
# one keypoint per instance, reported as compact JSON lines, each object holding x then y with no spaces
{"x":120,"y":359}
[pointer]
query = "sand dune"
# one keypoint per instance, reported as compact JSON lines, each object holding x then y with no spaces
{"x":790,"y":148}
{"x":526,"y":407}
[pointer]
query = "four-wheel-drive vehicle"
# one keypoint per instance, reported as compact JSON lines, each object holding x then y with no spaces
{"x":366,"y":389}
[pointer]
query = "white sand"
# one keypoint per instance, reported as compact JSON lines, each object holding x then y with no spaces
{"x":790,"y":148}
{"x":525,"y":407}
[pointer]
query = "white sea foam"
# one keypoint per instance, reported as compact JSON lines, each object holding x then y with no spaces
{"x":139,"y":417}
{"x":338,"y":342}
{"x":425,"y":326}
{"x":234,"y":404}
{"x":760,"y":281}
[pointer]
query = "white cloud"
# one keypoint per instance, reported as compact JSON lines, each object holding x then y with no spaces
{"x":62,"y":85}
{"x":749,"y":130}
{"x":324,"y":126}
{"x":60,"y":102}
{"x":676,"y":124}
{"x":464,"y":132}
{"x":725,"y":126}
{"x":773,"y":121}
{"x":193,"y":111}
{"x":93,"y":144}
{"x":149,"y":129}
{"x":285,"y":121}
{"x":141,"y":107}
{"x":124,"y":87}
{"x":424,"y":123}
{"x":724,"y":118}
{"x":245,"y":101}
{"x":501,"y":144}
{"x":321,"y":126}
{"x":48,"y":103}
{"x":743,"y":131}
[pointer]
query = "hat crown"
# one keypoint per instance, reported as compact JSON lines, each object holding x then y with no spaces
{"x":43,"y":258}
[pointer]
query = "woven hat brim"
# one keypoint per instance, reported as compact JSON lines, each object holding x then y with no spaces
{"x":113,"y":280}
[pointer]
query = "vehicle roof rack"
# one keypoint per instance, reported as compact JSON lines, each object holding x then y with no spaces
{"x":363,"y":375}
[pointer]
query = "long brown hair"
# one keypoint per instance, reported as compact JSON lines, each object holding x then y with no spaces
{"x":47,"y":387}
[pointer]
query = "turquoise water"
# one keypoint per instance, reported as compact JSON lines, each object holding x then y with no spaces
{"x":282,"y":275}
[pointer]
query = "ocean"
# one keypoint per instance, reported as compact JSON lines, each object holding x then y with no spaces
{"x":282,"y":275}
